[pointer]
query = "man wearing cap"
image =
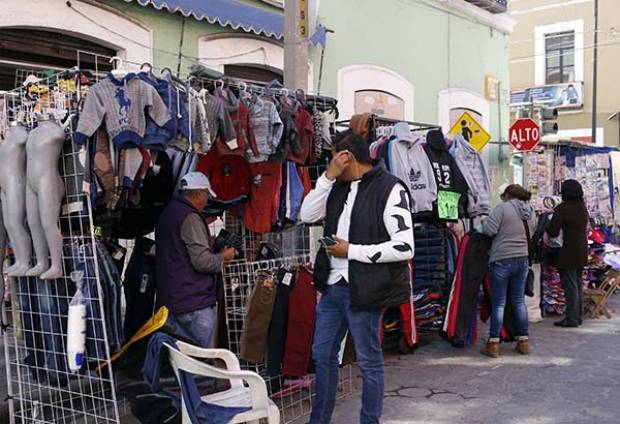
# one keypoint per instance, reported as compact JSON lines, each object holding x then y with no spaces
{"x":187,"y":268}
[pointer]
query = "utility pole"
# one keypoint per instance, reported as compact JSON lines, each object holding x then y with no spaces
{"x":595,"y":73}
{"x":296,"y":35}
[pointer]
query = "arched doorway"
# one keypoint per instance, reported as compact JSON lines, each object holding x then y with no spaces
{"x":47,"y":53}
{"x":253,"y":72}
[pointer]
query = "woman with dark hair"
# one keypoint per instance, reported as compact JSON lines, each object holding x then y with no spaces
{"x":570,"y":218}
{"x":508,"y":264}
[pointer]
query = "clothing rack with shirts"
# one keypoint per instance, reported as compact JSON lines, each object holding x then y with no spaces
{"x":270,"y":308}
{"x":374,"y":126}
{"x":46,"y":382}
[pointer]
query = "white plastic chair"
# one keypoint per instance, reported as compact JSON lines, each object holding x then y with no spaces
{"x":253,"y":396}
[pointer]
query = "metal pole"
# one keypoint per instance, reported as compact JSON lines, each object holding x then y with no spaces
{"x":181,"y":47}
{"x":318,"y":90}
{"x":595,"y":73}
{"x":499,"y":121}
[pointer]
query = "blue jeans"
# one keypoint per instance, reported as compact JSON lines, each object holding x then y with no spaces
{"x":200,"y":324}
{"x":334,"y":318}
{"x":508,"y":279}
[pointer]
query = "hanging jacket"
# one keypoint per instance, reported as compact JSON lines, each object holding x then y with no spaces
{"x":267,"y":129}
{"x":305,"y":136}
{"x":289,"y":140}
{"x":242,"y":122}
{"x":475,"y":173}
{"x":156,"y":137}
{"x":362,"y":124}
{"x":121,"y":104}
{"x":409,"y":163}
{"x":447,"y":174}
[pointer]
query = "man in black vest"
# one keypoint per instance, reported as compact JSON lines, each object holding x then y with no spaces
{"x":368,"y":213}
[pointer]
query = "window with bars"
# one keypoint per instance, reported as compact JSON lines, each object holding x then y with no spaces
{"x":560,"y":57}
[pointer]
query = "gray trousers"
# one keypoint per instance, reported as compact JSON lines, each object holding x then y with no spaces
{"x":572,"y":283}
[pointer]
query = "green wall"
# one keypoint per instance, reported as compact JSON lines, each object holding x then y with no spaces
{"x":430,"y":47}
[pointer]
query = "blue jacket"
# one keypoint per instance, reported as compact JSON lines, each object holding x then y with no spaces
{"x":156,"y":137}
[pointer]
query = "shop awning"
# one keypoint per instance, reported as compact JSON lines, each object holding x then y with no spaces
{"x":227,"y":13}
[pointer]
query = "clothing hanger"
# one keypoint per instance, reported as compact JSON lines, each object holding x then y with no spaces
{"x":147,"y":68}
{"x":300,"y":96}
{"x":118,"y":70}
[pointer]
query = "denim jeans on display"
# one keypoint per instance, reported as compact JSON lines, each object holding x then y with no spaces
{"x":508,"y":281}
{"x":42,"y":304}
{"x":111,"y":282}
{"x":334,"y":318}
{"x":30,"y":321}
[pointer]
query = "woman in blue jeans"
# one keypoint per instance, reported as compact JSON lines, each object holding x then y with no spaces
{"x":508,"y":264}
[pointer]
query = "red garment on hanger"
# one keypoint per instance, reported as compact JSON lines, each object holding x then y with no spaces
{"x":301,"y":320}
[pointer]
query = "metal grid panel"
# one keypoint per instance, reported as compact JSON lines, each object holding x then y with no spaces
{"x":41,"y":388}
{"x":295,"y":400}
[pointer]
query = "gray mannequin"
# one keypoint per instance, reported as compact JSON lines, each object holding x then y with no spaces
{"x":13,"y":196}
{"x":44,"y":193}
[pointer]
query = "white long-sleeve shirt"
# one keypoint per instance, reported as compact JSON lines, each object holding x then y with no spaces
{"x":396,"y":217}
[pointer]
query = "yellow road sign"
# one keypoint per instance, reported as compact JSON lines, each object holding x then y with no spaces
{"x":471,"y":131}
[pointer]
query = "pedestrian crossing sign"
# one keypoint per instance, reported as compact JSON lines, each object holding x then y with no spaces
{"x":471,"y":130}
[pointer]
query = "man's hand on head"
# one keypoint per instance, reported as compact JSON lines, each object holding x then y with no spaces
{"x":338,"y":164}
{"x":338,"y":250}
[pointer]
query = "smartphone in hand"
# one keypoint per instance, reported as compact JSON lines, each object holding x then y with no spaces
{"x":327,"y":241}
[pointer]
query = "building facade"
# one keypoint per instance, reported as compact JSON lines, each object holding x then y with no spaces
{"x":245,"y":36}
{"x":431,"y":72}
{"x":551,"y":61}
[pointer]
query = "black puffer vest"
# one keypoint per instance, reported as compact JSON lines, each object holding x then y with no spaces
{"x":371,"y":285}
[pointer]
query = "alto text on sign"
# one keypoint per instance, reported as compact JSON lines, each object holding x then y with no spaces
{"x":524,"y":134}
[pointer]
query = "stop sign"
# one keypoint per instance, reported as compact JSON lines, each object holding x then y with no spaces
{"x":524,"y":134}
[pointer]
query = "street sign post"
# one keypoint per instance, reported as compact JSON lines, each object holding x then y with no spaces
{"x":471,"y":131}
{"x":524,"y":134}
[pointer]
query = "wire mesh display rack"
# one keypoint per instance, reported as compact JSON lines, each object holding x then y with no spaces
{"x":41,"y":389}
{"x":295,"y":402}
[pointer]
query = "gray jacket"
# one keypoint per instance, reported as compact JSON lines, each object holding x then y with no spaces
{"x":195,"y":235}
{"x":410,"y":163}
{"x":475,"y":173}
{"x":505,"y":225}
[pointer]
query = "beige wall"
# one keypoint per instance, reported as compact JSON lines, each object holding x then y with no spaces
{"x":532,"y":13}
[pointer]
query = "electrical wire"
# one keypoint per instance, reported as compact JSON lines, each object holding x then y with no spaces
{"x":155,"y":49}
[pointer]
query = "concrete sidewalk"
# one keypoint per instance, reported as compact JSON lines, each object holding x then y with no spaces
{"x":572,"y":376}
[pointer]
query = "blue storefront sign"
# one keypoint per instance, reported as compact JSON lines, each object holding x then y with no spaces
{"x":560,"y":96}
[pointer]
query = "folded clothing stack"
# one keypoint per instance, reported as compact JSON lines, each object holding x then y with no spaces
{"x":553,"y":300}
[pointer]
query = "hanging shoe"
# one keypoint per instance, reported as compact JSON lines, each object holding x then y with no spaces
{"x":491,"y":349}
{"x":523,"y":345}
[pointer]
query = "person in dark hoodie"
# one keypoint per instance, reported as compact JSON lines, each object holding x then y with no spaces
{"x":508,"y":264}
{"x":570,"y":219}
